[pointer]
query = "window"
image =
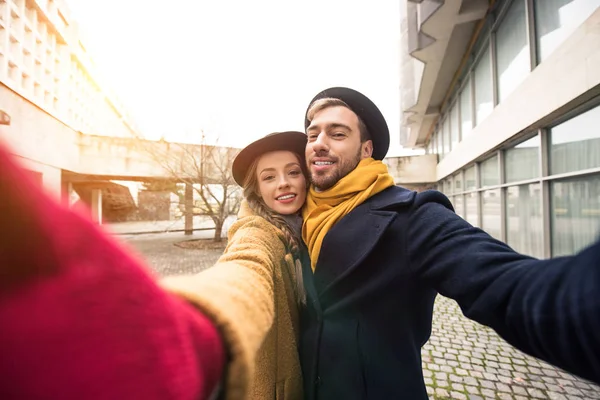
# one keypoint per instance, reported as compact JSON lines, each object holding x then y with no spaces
{"x":466,"y":120}
{"x":575,"y":144}
{"x":484,"y":103}
{"x":522,"y":162}
{"x":575,"y":214}
{"x":491,"y":213}
{"x":454,"y":125}
{"x":512,"y":51}
{"x":490,"y":175}
{"x":555,"y":20}
{"x":448,"y":187}
{"x":459,"y":207}
{"x":524,"y":226}
{"x":470,"y":180}
{"x":458,"y":184}
{"x":472,"y":208}
{"x":447,"y":138}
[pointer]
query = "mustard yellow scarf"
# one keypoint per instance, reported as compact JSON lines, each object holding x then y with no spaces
{"x":323,"y":209}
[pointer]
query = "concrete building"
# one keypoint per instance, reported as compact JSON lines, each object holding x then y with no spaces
{"x":51,"y":91}
{"x":505,"y":95}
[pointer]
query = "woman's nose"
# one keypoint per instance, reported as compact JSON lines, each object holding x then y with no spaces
{"x":283,"y":182}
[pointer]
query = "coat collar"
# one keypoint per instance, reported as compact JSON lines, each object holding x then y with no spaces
{"x":391,"y":197}
{"x":353,"y":238}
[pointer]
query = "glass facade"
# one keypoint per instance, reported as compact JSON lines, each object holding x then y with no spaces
{"x":466,"y":110}
{"x":524,"y":219}
{"x":522,"y":162}
{"x":503,"y":56}
{"x":510,"y":205}
{"x":575,"y":214}
{"x":555,"y":20}
{"x":512,"y":50}
{"x":484,"y":99}
{"x":575,"y":145}
{"x":491,"y":220}
{"x":454,"y":126}
{"x":540,"y":191}
{"x":489,"y":172}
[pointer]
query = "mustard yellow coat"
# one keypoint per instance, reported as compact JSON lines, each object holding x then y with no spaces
{"x":249,"y":294}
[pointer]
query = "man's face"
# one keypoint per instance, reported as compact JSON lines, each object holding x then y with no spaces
{"x":334,"y":148}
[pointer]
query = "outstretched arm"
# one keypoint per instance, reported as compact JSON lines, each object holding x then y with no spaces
{"x":81,"y":318}
{"x":547,"y":308}
{"x":237,"y":293}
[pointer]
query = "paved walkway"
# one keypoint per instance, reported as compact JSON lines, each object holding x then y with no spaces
{"x":462,"y":360}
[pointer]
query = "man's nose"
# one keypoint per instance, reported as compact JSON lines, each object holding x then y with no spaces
{"x":320,"y":143}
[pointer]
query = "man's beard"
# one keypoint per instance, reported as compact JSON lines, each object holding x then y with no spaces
{"x":327,"y":181}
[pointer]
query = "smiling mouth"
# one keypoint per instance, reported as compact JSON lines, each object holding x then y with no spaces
{"x":286,"y":197}
{"x":320,"y":163}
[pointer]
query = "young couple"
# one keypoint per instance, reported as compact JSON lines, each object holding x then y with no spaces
{"x":324,"y":291}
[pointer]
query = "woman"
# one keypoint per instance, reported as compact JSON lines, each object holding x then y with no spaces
{"x":254,"y":291}
{"x":82,"y":319}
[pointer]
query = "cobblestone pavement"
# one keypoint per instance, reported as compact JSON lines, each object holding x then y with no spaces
{"x":166,"y":259}
{"x":465,"y":360}
{"x":462,"y":360}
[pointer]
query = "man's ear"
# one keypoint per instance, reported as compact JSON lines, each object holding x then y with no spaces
{"x":366,"y":149}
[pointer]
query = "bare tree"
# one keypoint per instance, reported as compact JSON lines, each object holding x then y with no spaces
{"x":206,"y":171}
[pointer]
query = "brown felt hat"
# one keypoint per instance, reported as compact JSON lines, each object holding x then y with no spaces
{"x":291,"y":141}
{"x":362,"y":106}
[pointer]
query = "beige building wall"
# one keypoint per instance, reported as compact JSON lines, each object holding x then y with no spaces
{"x":412,"y":170}
{"x":50,"y":88}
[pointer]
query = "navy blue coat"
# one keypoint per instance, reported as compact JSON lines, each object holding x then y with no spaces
{"x":370,"y":300}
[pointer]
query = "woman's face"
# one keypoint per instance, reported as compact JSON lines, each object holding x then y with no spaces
{"x":281,"y":183}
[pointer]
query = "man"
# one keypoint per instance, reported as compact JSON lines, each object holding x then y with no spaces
{"x":380,"y":253}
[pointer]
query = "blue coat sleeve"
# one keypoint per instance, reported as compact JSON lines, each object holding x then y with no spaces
{"x":547,"y":308}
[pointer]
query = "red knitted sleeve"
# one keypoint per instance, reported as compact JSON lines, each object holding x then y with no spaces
{"x":80,"y":316}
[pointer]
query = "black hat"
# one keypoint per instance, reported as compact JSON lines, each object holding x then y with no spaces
{"x":366,"y":110}
{"x":292,"y":141}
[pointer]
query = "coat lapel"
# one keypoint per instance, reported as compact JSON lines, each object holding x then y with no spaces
{"x":353,"y":238}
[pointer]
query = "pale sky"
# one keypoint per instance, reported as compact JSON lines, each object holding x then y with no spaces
{"x":241,"y":69}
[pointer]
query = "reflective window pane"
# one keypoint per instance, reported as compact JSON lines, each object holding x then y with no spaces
{"x":459,"y":206}
{"x":470,"y":182}
{"x":524,"y":226}
{"x":575,"y":144}
{"x":448,"y":186}
{"x":458,"y":183}
{"x":483,"y":88}
{"x":512,"y":50}
{"x":472,"y":208}
{"x":490,"y":173}
{"x":446,"y":130}
{"x":522,"y":162}
{"x":555,"y":20}
{"x":454,"y":125}
{"x":575,"y":214}
{"x":440,"y":148}
{"x":491,"y":213}
{"x":466,"y":119}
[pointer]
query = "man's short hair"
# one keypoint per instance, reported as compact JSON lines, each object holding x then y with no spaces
{"x":327,"y":102}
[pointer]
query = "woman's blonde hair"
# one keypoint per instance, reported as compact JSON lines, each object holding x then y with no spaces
{"x":260,"y":208}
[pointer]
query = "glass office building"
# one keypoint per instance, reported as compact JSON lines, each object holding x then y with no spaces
{"x":507,"y":96}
